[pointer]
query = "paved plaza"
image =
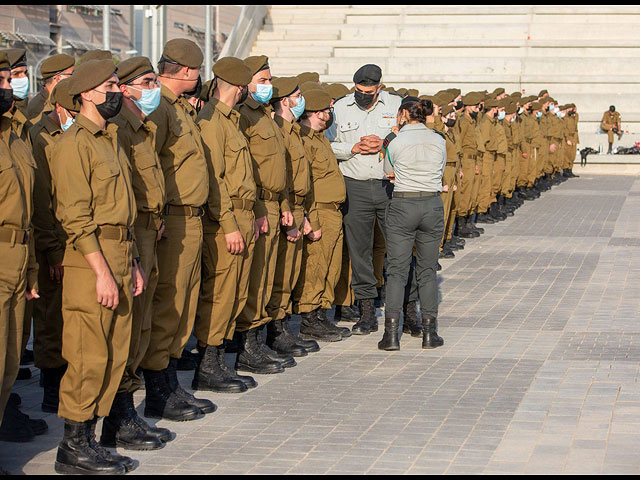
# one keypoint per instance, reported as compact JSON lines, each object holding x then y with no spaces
{"x":539,"y":372}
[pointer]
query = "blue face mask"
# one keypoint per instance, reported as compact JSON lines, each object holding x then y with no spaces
{"x":65,"y":126}
{"x":149,"y":101}
{"x":263,"y":93}
{"x":20,"y":87}
{"x":501,"y":115}
{"x":299,"y":108}
{"x":538,"y":115}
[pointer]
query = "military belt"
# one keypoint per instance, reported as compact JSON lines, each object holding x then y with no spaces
{"x":296,"y":199}
{"x":264,"y":194}
{"x":9,"y":235}
{"x":415,"y":194}
{"x":150,"y":220}
{"x":451,"y":164}
{"x":112,"y":232}
{"x":183,"y":211}
{"x":471,"y":156}
{"x":328,"y":205}
{"x":242,"y":204}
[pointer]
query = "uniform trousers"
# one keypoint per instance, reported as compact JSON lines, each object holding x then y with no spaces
{"x":47,"y":319}
{"x":486,"y":183}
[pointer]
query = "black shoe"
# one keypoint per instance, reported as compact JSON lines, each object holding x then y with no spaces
{"x":438,"y":267}
{"x":27,"y":357}
{"x":344,"y":332}
{"x":451,"y":245}
{"x":15,"y":426}
{"x":390,"y":340}
{"x":210,"y":376}
{"x":51,"y":378}
{"x":129,"y":464}
{"x":206,"y":406}
{"x":477,"y":231}
{"x":76,"y":455}
{"x":24,"y":374}
{"x":120,"y":429}
{"x":248,"y":381}
{"x":430,"y":338}
{"x":484,"y":218}
{"x":309,"y":345}
{"x":187,"y":361}
{"x":446,"y":253}
{"x":281,"y":341}
{"x":287,"y":361}
{"x":161,"y":402}
{"x":367,"y":317}
{"x":346,"y":314}
{"x":465,"y":229}
{"x":251,"y":358}
{"x":162,"y":434}
{"x":411,"y":323}
{"x":312,"y":328}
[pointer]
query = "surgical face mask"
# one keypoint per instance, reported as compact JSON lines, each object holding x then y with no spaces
{"x":556,"y":110}
{"x":538,"y":115}
{"x":149,"y":100}
{"x":363,"y":100}
{"x":299,"y":108}
{"x":529,"y":109}
{"x":520,"y":111}
{"x":20,"y":87}
{"x":70,"y":121}
{"x":263,"y":93}
{"x":6,"y":100}
{"x":111,"y":106}
{"x":560,"y":114}
{"x":551,"y":105}
{"x":501,"y":115}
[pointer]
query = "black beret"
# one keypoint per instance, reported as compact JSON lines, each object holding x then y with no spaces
{"x":4,"y":62}
{"x":62,"y":97}
{"x":233,"y":70}
{"x":284,"y":86}
{"x":90,"y":74}
{"x":56,"y":64}
{"x":257,"y":63}
{"x":316,"y":100}
{"x":182,"y":51}
{"x":17,"y":57}
{"x":95,"y":55}
{"x":132,"y":68}
{"x":367,"y":75}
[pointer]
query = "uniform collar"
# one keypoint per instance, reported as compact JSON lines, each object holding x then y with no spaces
{"x":414,"y":126}
{"x":382,"y":98}
{"x":131,"y":118}
{"x":168,"y":94}
{"x":91,"y":127}
{"x":306,"y":131}
{"x":285,"y":125}
{"x":252,"y":104}
{"x":49,"y":125}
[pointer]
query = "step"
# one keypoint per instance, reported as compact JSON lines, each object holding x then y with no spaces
{"x":593,"y":140}
{"x":595,"y":158}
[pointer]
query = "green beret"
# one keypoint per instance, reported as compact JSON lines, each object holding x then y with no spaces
{"x":62,"y":97}
{"x":490,"y":103}
{"x":542,"y":92}
{"x":284,"y":86}
{"x":95,"y":55}
{"x":511,"y":108}
{"x":528,"y":99}
{"x":447,"y":96}
{"x":309,"y":86}
{"x":502,"y":103}
{"x":337,"y":90}
{"x":308,"y":77}
{"x":413,"y":92}
{"x":233,"y":70}
{"x":17,"y":57}
{"x":456,"y":92}
{"x":257,"y":63}
{"x":182,"y":51}
{"x":549,"y":99}
{"x":388,"y":89}
{"x":56,"y":64}
{"x":402,"y":91}
{"x":90,"y":74}
{"x":4,"y":62}
{"x":446,"y":110}
{"x":316,"y":100}
{"x":517,"y":94}
{"x":498,"y":91}
{"x":132,"y":68}
{"x":572,"y":105}
{"x":471,"y":99}
{"x":536,"y":106}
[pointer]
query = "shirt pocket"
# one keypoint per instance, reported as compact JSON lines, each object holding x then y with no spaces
{"x":386,"y":123}
{"x":264,"y":142}
{"x":105,"y":184}
{"x":349,"y":126}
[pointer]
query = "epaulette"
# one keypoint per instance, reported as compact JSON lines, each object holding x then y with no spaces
{"x":387,"y":139}
{"x":395,"y":93}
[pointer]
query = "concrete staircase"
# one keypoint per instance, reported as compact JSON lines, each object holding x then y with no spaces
{"x":589,"y":55}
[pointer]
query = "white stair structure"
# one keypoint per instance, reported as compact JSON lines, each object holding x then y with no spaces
{"x":588,"y":55}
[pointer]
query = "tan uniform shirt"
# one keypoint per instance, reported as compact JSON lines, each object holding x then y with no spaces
{"x":180,"y":150}
{"x":50,"y":237}
{"x":20,"y":125}
{"x":137,"y":139}
{"x":488,"y":139}
{"x":611,"y":119}
{"x":229,"y":162}
{"x":38,"y":106}
{"x":466,"y":129}
{"x":267,"y":152}
{"x":92,"y":183}
{"x":327,"y":181}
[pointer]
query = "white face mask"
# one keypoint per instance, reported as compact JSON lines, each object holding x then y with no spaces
{"x":20,"y":87}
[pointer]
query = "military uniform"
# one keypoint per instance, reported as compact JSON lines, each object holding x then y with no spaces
{"x":488,"y":147}
{"x":610,"y":120}
{"x":50,"y":67}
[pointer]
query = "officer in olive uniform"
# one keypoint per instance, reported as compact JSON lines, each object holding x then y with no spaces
{"x":611,"y":123}
{"x":487,"y":146}
{"x":53,"y":70}
{"x":229,"y":233}
{"x":181,"y":153}
{"x":96,"y":206}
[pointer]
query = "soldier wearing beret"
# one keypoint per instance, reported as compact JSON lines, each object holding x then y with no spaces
{"x":229,"y":232}
{"x":136,"y":136}
{"x":487,"y":147}
{"x":511,"y":130}
{"x":573,"y":138}
{"x":18,"y":267}
{"x":322,"y":249}
{"x":178,"y":144}
{"x":20,"y":84}
{"x":272,"y":209}
{"x":96,"y":206}
{"x":451,"y":175}
{"x":611,"y":123}
{"x":530,"y":151}
{"x":52,"y":70}
{"x":50,"y":243}
{"x":496,"y":205}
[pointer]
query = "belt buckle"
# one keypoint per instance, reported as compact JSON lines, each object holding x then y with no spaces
{"x":200,"y":212}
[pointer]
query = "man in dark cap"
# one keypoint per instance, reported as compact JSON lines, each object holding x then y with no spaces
{"x":611,"y":123}
{"x":96,"y":206}
{"x":362,"y":120}
{"x":52,"y":70}
{"x":181,"y":153}
{"x":272,"y":209}
{"x":18,"y":113}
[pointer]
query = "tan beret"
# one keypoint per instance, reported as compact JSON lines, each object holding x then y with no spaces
{"x":517,"y":94}
{"x":233,"y":70}
{"x":257,"y":63}
{"x":503,"y":102}
{"x":337,"y":90}
{"x":56,"y":64}
{"x":95,"y":55}
{"x":316,"y":100}
{"x":446,"y":110}
{"x":4,"y":62}
{"x":17,"y":57}
{"x":284,"y":86}
{"x":536,"y":106}
{"x":447,"y":96}
{"x":498,"y":91}
{"x":471,"y":99}
{"x":309,"y":86}
{"x":511,"y":108}
{"x":62,"y":97}
{"x":90,"y":74}
{"x":182,"y":51}
{"x":549,"y":99}
{"x":528,"y":99}
{"x":456,"y":92}
{"x":402,"y":91}
{"x":413,"y":92}
{"x":308,"y":77}
{"x":132,"y":68}
{"x":542,"y":92}
{"x":490,"y":103}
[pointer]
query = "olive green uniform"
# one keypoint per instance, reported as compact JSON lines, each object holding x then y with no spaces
{"x":181,"y":154}
{"x":232,"y":195}
{"x":487,"y":146}
{"x":96,"y":205}
{"x":450,"y":178}
{"x":609,"y":121}
{"x":38,"y":106}
{"x":137,"y":139}
{"x":500,"y":165}
{"x":467,"y":139}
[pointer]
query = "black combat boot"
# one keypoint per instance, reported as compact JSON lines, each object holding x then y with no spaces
{"x":251,"y":358}
{"x":412,"y":323}
{"x":610,"y":152}
{"x":287,"y":361}
{"x":451,"y":245}
{"x":312,"y":328}
{"x":477,"y":231}
{"x":430,"y":338}
{"x":120,"y":429}
{"x":161,"y":402}
{"x":77,"y":456}
{"x":446,"y":252}
{"x":484,"y":217}
{"x":321,"y":313}
{"x":51,"y":378}
{"x":390,"y":340}
{"x":17,"y":426}
{"x":367,"y":317}
{"x":162,"y":434}
{"x":206,"y":406}
{"x":465,"y":229}
{"x":494,"y":212}
{"x":187,"y":361}
{"x":309,"y":345}
{"x":346,"y":314}
{"x":248,"y":381}
{"x":210,"y":376}
{"x":282,"y":341}
{"x":128,"y":462}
